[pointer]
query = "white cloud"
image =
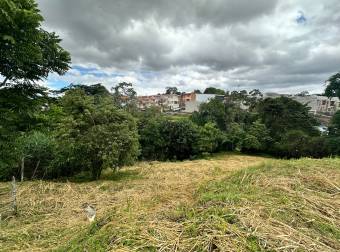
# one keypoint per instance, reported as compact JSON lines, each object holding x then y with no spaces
{"x":197,"y":43}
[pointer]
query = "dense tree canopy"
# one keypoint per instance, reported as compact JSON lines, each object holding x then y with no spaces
{"x":333,"y":86}
{"x":171,"y":90}
{"x":27,"y":51}
{"x":212,"y":90}
{"x":334,"y":127}
{"x":99,"y":134}
{"x":94,"y":89}
{"x":283,"y":114}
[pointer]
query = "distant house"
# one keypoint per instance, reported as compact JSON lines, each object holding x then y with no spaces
{"x":320,"y":104}
{"x":194,"y":104}
{"x":171,"y":102}
{"x":185,"y":98}
{"x":327,"y":105}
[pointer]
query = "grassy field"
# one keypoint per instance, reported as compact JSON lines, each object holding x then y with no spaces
{"x":228,"y":203}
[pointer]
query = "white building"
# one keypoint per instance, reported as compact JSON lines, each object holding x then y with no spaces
{"x":171,"y":102}
{"x":194,"y":104}
{"x":320,"y":104}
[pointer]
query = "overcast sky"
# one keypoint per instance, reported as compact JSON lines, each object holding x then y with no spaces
{"x":283,"y":46}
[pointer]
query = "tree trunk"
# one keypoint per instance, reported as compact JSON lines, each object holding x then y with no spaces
{"x":22,"y":168}
{"x":96,"y":169}
{"x":36,"y":168}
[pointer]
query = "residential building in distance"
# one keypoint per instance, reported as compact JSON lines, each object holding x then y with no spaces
{"x":186,"y":97}
{"x":320,"y":104}
{"x":171,"y":102}
{"x":194,"y":104}
{"x":145,"y":102}
{"x":190,"y":102}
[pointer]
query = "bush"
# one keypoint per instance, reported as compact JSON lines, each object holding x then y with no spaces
{"x":93,"y":136}
{"x":211,"y":139}
{"x":35,"y":153}
{"x":256,"y":138}
{"x":292,"y":144}
{"x":163,"y":139}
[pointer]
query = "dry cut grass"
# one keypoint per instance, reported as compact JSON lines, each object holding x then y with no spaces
{"x":135,"y":208}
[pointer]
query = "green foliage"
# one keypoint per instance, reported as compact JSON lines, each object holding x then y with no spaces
{"x":266,"y":187}
{"x":21,"y":109}
{"x":164,"y":139}
{"x":212,"y":90}
{"x":292,"y":144}
{"x":27,"y":51}
{"x":333,"y":86}
{"x":334,"y":127}
{"x":256,"y":138}
{"x":36,"y":149}
{"x":211,"y":139}
{"x":283,"y":114}
{"x":214,"y":111}
{"x":94,"y":90}
{"x":124,"y":96}
{"x":172,"y":90}
{"x":97,"y":135}
{"x":235,"y":135}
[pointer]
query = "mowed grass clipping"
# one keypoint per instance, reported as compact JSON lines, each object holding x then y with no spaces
{"x":129,"y":205}
{"x":226,"y":203}
{"x":277,"y":206}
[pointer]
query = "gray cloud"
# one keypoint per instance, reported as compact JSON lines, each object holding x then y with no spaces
{"x":197,"y":43}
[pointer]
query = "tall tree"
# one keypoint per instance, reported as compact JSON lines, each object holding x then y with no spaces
{"x":334,"y":127}
{"x":333,"y":86}
{"x":94,"y":89}
{"x":212,"y":90}
{"x":94,"y":135}
{"x":172,"y":90}
{"x":124,"y":96}
{"x":27,"y":52}
{"x":283,"y":114}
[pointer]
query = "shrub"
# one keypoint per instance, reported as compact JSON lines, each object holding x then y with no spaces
{"x":211,"y":139}
{"x":256,"y":138}
{"x":35,"y":153}
{"x":164,"y":139}
{"x":292,"y":144}
{"x":96,"y":135}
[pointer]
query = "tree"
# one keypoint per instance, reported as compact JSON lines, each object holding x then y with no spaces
{"x":211,"y":139}
{"x":256,"y":138}
{"x":333,"y":86}
{"x":283,"y":114}
{"x":164,"y":139}
{"x":124,"y":96}
{"x":214,"y":111}
{"x":21,"y":110}
{"x":171,"y":90}
{"x":334,"y":127}
{"x":197,"y":91}
{"x":35,"y":152}
{"x":94,"y":89}
{"x":27,"y":51}
{"x":293,"y":144}
{"x":219,"y":112}
{"x":212,"y":90}
{"x":97,"y":135}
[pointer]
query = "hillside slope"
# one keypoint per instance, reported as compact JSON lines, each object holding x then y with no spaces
{"x":228,"y":203}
